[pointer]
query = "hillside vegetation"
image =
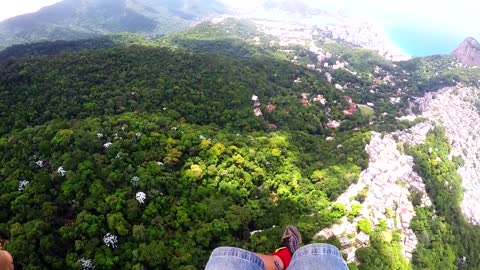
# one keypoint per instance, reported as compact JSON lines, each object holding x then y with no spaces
{"x":447,"y":240}
{"x":74,"y":20}
{"x":204,"y":187}
{"x":132,"y":153}
{"x":91,"y":129}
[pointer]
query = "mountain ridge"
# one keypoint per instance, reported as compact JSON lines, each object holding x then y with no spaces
{"x":73,"y":20}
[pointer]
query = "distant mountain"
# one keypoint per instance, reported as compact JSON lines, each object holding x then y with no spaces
{"x":468,"y":53}
{"x":294,"y":7}
{"x":80,"y":19}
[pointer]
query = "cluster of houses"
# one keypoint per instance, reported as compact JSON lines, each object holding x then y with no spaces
{"x":349,"y":239}
{"x":258,"y":112}
{"x":304,"y":35}
{"x":333,"y":124}
{"x":256,"y":106}
{"x":367,"y":35}
{"x":307,"y":99}
{"x":289,"y":34}
{"x":352,"y":107}
{"x":360,"y":33}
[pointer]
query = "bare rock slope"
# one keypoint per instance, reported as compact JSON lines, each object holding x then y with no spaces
{"x":468,"y":53}
{"x":457,"y":109}
{"x":389,"y":179}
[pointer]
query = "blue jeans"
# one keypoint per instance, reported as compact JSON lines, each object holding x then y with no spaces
{"x":309,"y":257}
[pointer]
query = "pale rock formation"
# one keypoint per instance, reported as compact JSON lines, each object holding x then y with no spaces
{"x":468,"y":53}
{"x":389,"y":179}
{"x":456,"y":108}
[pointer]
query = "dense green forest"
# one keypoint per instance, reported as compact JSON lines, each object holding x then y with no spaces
{"x":61,"y":46}
{"x":204,"y":188}
{"x":147,"y":154}
{"x":92,"y":129}
{"x":201,"y":88}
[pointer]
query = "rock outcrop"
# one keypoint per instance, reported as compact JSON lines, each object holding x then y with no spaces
{"x":457,"y":109}
{"x":389,"y":180}
{"x":468,"y":53}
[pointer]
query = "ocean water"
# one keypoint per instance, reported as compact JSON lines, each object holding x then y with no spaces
{"x":416,"y":41}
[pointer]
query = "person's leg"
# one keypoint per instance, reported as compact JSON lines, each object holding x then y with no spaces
{"x":231,"y":258}
{"x":239,"y":259}
{"x":317,"y":257}
{"x":272,"y":262}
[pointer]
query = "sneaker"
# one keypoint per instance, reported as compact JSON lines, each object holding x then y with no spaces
{"x":291,"y":238}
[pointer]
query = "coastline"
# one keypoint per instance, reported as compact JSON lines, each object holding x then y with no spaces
{"x":419,"y":42}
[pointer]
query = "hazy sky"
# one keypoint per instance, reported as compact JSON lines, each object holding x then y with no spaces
{"x":11,"y":8}
{"x":454,"y":18}
{"x":446,"y":15}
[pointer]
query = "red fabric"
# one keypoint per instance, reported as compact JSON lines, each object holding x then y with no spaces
{"x":284,"y":255}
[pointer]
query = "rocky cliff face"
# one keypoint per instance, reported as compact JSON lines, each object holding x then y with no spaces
{"x":457,"y":109}
{"x":468,"y":53}
{"x":389,"y":180}
{"x":390,"y":176}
